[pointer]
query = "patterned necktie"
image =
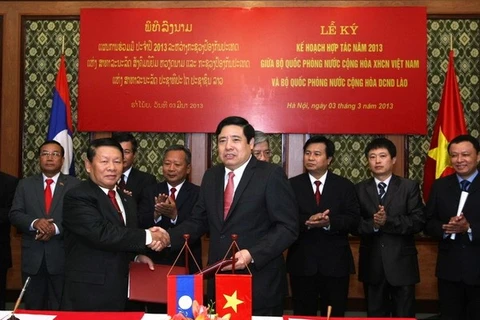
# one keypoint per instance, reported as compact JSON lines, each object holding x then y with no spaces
{"x":121,"y":183}
{"x":228,"y":194}
{"x":381,"y":193}
{"x":48,"y":195}
{"x":318,"y":195}
{"x":172,"y":193}
{"x":111,"y":195}
{"x":465,"y":184}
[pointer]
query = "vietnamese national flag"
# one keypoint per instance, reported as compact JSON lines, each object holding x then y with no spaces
{"x":234,"y":295}
{"x":181,"y":291}
{"x":60,"y":127}
{"x":450,"y":123}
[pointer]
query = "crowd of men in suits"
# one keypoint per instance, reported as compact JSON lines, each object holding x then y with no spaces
{"x":78,"y":237}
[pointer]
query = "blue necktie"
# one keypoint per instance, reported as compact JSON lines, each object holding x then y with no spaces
{"x":464,"y":185}
{"x":381,"y":193}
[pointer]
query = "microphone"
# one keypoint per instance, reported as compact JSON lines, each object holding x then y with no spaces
{"x":12,"y":317}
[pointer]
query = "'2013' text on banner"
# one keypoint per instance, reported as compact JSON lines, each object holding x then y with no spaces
{"x":288,"y":70}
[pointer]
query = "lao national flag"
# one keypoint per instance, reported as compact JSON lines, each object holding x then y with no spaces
{"x":234,"y":295}
{"x":181,"y":291}
{"x":60,"y":127}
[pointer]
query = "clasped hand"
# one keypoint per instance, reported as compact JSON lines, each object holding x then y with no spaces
{"x":319,"y":220}
{"x":379,"y":217}
{"x":165,"y":206}
{"x":45,"y":229}
{"x":160,"y":239}
{"x":457,"y":224}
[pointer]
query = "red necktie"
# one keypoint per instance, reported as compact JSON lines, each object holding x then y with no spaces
{"x":48,"y":195}
{"x":121,"y":183}
{"x":228,"y":194}
{"x":111,"y":195}
{"x":172,"y":193}
{"x":318,"y":195}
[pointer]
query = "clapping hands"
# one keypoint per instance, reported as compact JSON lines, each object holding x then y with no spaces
{"x":165,"y":206}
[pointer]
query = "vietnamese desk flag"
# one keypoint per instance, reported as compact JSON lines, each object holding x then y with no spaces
{"x":181,"y":291}
{"x":449,"y":124}
{"x":60,"y":127}
{"x":234,"y":295}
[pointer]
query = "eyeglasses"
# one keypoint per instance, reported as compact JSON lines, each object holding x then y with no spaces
{"x":258,"y":153}
{"x":54,"y":154}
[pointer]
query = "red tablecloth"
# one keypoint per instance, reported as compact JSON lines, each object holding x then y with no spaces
{"x":78,"y":315}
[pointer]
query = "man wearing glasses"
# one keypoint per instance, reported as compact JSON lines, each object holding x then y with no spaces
{"x":261,"y":147}
{"x":37,"y":212}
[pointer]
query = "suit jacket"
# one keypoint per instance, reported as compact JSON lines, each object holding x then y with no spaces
{"x":98,"y":249}
{"x":264,"y":216}
{"x":459,"y":259}
{"x":390,"y":253}
{"x":184,"y":200}
{"x":318,"y":250}
{"x":28,"y":205}
{"x":8,"y":184}
{"x":137,"y":181}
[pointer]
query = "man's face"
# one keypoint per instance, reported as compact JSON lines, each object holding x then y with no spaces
{"x":315,"y":159}
{"x":464,"y":158}
{"x":380,"y":162}
{"x":262,"y":152}
{"x":233,"y":147}
{"x":106,"y":167}
{"x":51,"y":159}
{"x":175,"y":168}
{"x":128,"y":155}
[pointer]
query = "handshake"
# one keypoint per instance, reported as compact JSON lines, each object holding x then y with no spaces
{"x":160,"y":239}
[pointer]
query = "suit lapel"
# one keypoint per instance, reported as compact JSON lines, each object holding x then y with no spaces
{"x":39,"y":194}
{"x":392,"y":189}
{"x":219,"y":187}
{"x":306,"y":190}
{"x":58,"y":192}
{"x":372,"y":192}
{"x":182,"y":195}
{"x":247,"y":175}
{"x":130,"y":214}
{"x":105,"y":205}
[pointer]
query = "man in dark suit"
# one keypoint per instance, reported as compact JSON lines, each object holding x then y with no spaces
{"x":8,"y":184}
{"x":169,"y":203}
{"x":458,"y":262}
{"x":320,"y":261}
{"x":392,"y":212}
{"x":259,"y":207}
{"x":132,"y":179}
{"x":43,"y":254}
{"x":101,"y":237}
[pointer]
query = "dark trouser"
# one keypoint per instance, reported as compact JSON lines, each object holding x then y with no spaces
{"x":458,"y":301}
{"x":385,"y":300}
{"x":333,"y":291}
{"x":3,"y":287}
{"x":44,"y":291}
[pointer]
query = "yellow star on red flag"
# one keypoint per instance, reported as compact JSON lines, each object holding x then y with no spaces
{"x":440,"y":155}
{"x":232,"y":301}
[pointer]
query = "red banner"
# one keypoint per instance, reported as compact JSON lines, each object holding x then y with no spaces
{"x":286,"y":70}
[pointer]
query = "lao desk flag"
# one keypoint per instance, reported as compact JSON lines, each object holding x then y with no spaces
{"x":234,"y":295}
{"x":60,"y":127}
{"x":449,"y":124}
{"x":181,"y":291}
